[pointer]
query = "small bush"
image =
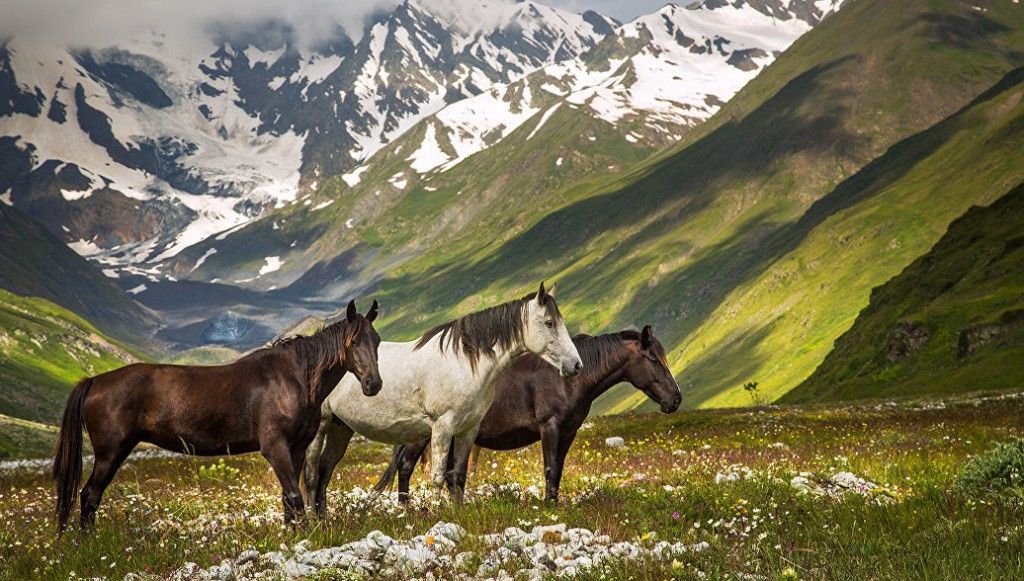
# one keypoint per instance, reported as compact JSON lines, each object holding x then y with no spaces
{"x":218,"y":472}
{"x":997,"y":470}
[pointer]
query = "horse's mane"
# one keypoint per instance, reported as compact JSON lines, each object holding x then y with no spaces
{"x":317,"y":352}
{"x":477,"y":334}
{"x":598,"y":352}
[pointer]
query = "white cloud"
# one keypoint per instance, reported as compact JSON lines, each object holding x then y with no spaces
{"x":99,"y":23}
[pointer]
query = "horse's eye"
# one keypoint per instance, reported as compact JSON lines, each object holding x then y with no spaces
{"x":550,"y":324}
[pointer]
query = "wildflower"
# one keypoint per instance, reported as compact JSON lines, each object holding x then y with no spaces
{"x":675,"y":515}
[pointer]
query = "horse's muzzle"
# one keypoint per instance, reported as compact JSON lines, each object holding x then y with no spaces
{"x":371,"y":386}
{"x":571,"y":368}
{"x":668,"y":407}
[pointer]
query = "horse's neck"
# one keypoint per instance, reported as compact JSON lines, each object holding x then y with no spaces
{"x":330,"y":378}
{"x":591,"y":383}
{"x":489,"y":368}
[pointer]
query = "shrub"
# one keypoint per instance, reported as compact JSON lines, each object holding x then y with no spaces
{"x":997,"y":470}
{"x":218,"y":472}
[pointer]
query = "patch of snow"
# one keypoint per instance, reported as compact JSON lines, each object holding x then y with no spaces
{"x":267,"y":57}
{"x":429,"y":154}
{"x":321,"y":205}
{"x":6,"y":197}
{"x":399,"y":181}
{"x":543,"y":119}
{"x":110,"y":273}
{"x":85,"y":247}
{"x":273,"y":264}
{"x":137,"y":290}
{"x":199,"y":262}
{"x":352,"y":178}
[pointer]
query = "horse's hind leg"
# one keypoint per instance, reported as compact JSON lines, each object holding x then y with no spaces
{"x":407,"y":465}
{"x":108,"y":459}
{"x":460,"y":459}
{"x":337,"y":436}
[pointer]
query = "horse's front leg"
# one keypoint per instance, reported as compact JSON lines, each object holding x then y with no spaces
{"x":280,"y":455}
{"x":550,"y":438}
{"x":441,"y":435}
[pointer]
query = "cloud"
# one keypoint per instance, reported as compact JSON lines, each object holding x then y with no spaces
{"x":99,"y":23}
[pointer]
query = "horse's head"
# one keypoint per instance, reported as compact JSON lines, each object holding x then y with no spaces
{"x":546,"y":336}
{"x":361,"y":348}
{"x":647,"y":369}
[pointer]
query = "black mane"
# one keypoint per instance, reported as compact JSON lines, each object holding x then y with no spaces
{"x":601,"y":352}
{"x":477,"y":334}
{"x":317,"y":352}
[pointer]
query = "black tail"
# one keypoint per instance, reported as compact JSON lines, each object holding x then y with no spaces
{"x":388,"y":478}
{"x":67,"y":459}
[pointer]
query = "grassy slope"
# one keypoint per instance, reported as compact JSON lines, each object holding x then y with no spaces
{"x":973,"y":276}
{"x":44,"y":350}
{"x":776,"y":327}
{"x":675,"y":241}
{"x":35,"y":263}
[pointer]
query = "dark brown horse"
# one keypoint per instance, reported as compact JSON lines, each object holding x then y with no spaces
{"x":267,"y":401}
{"x":531,"y":403}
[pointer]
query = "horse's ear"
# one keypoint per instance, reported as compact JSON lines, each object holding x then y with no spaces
{"x":372,"y":313}
{"x":350,"y":312}
{"x":551,"y":291}
{"x":541,"y":293}
{"x":645,"y":336}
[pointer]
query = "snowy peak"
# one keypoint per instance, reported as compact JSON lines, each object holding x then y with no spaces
{"x":669,"y":70}
{"x":181,"y":140}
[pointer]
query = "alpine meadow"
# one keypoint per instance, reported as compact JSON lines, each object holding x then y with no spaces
{"x":720,"y":289}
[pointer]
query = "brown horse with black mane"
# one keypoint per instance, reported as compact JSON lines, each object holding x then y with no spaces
{"x":531,"y":403}
{"x":267,"y":401}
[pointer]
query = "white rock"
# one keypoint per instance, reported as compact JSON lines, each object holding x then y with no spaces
{"x":615,"y":442}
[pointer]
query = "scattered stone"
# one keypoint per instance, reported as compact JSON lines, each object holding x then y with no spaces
{"x":544,"y":551}
{"x":615,"y":442}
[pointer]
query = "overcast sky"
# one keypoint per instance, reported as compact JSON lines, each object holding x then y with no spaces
{"x":104,"y":22}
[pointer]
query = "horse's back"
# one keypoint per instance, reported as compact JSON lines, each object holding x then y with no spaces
{"x":184,"y":408}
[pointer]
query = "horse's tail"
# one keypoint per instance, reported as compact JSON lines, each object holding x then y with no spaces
{"x":67,"y":459}
{"x":388,"y":477}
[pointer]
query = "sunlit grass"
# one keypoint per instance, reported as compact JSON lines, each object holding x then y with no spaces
{"x":672,"y":479}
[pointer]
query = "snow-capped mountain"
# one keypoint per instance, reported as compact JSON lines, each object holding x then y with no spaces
{"x":134,"y":152}
{"x":656,"y":76}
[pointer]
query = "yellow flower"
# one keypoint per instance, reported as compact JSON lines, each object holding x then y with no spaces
{"x":430,"y":539}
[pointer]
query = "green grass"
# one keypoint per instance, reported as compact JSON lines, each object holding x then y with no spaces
{"x":44,"y":350}
{"x":160,"y":513}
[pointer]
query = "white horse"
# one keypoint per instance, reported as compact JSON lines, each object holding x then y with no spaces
{"x":438,"y":387}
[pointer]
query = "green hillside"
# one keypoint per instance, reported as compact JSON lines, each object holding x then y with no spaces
{"x":724,"y":242}
{"x":44,"y":350}
{"x":952,"y":320}
{"x":35,"y":263}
